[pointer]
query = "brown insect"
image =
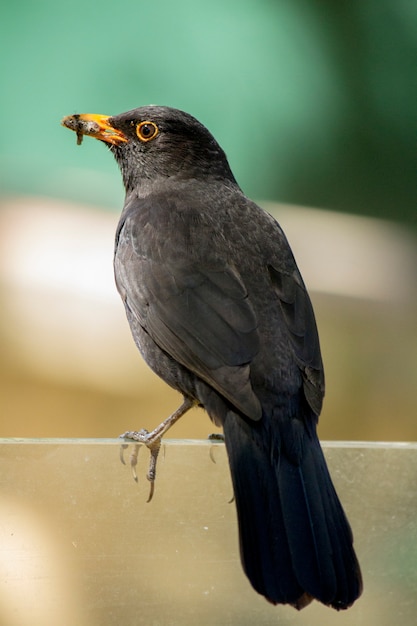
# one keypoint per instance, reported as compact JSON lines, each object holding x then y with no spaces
{"x":80,"y":126}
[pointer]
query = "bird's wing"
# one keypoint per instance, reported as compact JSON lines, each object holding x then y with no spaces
{"x":298,"y":315}
{"x":201,"y":317}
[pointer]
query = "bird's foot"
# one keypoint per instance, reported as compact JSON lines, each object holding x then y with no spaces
{"x":218,"y":437}
{"x":215,"y":438}
{"x":153,"y":443}
{"x":152,"y":440}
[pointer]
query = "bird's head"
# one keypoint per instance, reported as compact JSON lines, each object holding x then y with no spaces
{"x":153,"y":143}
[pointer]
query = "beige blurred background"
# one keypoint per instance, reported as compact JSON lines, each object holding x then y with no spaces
{"x":314,"y":104}
{"x":69,"y":367}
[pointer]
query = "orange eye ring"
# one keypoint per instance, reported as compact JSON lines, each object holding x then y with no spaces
{"x":146,"y":130}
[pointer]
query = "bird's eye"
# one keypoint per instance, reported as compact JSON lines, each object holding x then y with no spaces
{"x":146,"y":131}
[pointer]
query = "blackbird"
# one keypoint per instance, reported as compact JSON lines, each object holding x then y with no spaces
{"x":218,"y":309}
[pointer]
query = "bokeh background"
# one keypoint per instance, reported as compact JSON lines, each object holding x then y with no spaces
{"x":314,"y":103}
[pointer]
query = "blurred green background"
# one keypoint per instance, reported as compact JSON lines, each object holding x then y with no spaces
{"x":314,"y":103}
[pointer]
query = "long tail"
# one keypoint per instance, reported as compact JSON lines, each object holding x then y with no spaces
{"x":295,"y":540}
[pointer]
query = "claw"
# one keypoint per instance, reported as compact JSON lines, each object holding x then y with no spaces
{"x":211,"y":455}
{"x":134,"y":462}
{"x":218,"y":438}
{"x":151,"y":492}
{"x":123,"y":447}
{"x":133,"y":459}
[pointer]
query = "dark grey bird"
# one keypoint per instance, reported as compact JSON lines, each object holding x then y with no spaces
{"x":218,"y":309}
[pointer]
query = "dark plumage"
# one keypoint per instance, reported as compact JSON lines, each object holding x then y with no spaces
{"x":219,"y":310}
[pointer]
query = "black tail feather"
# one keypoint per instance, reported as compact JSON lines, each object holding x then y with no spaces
{"x":295,"y":540}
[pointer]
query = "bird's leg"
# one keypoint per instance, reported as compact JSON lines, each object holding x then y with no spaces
{"x":152,"y":440}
